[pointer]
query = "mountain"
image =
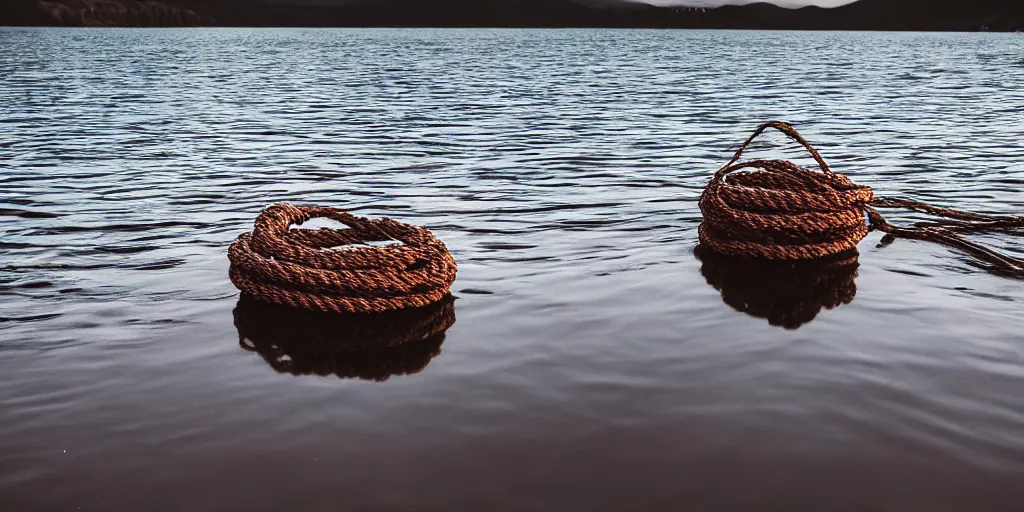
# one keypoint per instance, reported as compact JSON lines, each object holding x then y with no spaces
{"x":92,"y":13}
{"x":923,"y":15}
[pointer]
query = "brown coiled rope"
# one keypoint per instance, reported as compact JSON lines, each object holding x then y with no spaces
{"x":776,"y":210}
{"x":322,"y":269}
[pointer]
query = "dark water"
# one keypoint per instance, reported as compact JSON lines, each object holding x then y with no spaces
{"x":592,"y":363}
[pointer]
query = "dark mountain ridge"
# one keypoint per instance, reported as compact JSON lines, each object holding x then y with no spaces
{"x":923,"y":15}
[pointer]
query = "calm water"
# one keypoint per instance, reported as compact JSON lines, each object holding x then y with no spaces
{"x":595,"y":362}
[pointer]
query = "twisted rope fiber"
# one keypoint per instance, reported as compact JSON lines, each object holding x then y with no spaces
{"x":776,"y":210}
{"x":322,"y":270}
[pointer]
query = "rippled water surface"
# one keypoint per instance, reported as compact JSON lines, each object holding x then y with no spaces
{"x":595,"y":362}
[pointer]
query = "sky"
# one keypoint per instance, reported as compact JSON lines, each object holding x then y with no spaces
{"x":691,"y":3}
{"x":787,"y":3}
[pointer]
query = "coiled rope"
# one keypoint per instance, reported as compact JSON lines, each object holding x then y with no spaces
{"x":780,"y":211}
{"x":324,"y":269}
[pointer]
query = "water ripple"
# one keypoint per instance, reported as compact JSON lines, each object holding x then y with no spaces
{"x":562,"y":168}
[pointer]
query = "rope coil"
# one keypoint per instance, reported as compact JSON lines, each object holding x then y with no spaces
{"x":324,"y":269}
{"x":777,"y":210}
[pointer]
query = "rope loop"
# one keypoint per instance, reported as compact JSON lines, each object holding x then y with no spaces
{"x":791,"y":132}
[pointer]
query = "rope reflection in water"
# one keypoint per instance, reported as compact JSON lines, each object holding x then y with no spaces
{"x":788,"y":294}
{"x":374,"y":346}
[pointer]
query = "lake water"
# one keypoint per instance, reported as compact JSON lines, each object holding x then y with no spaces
{"x":595,"y":363}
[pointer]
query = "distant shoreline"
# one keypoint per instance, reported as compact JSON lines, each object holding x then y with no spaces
{"x":864,"y":15}
{"x":447,"y":27}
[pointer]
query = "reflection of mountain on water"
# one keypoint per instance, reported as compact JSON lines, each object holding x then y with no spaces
{"x":373,"y":346}
{"x":787,"y":294}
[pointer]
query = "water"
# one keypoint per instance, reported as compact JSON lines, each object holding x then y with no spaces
{"x":591,"y":365}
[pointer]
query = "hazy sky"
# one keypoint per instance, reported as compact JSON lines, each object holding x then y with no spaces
{"x":692,"y":3}
{"x":787,"y":3}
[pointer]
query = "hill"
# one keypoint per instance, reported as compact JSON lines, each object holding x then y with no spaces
{"x":922,"y":15}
